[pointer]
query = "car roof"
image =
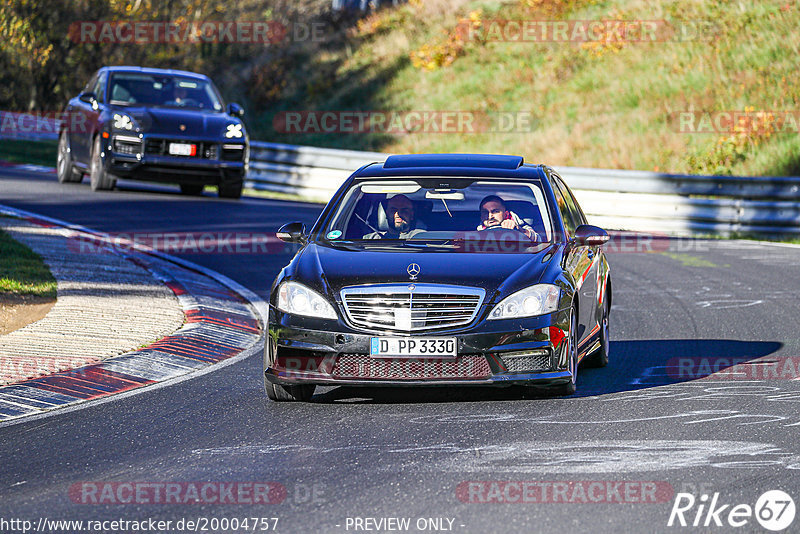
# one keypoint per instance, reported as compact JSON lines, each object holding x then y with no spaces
{"x":147,"y":70}
{"x":457,"y":165}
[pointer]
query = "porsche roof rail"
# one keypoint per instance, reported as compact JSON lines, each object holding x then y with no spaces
{"x":483,"y":161}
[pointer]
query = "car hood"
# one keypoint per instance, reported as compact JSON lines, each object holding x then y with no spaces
{"x":328,"y":269}
{"x":167,"y":121}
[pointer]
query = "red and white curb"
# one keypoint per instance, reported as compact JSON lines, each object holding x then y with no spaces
{"x":224,"y":324}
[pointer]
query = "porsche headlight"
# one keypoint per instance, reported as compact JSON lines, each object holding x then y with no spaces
{"x":234,"y":131}
{"x":297,"y":299}
{"x":528,"y":302}
{"x":122,"y":121}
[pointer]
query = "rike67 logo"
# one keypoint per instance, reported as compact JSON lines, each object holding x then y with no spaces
{"x":774,"y":510}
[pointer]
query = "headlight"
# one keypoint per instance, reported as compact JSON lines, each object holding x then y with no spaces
{"x":234,"y":131}
{"x":531,"y":301}
{"x":297,"y":299}
{"x":122,"y":122}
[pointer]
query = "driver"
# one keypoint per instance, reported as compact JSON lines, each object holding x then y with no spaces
{"x":179,"y":96}
{"x":495,"y":214}
{"x":402,"y":220}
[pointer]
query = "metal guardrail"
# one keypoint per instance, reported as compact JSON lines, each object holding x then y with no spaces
{"x":614,"y":199}
{"x":28,"y":126}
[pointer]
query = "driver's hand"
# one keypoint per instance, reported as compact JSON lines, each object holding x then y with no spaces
{"x":509,"y":224}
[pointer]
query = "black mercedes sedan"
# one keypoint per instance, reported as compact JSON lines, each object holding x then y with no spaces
{"x":445,"y":269}
{"x":154,"y":125}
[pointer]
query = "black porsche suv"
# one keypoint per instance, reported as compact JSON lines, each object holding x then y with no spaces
{"x":154,"y":125}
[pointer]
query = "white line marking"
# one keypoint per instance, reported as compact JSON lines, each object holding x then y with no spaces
{"x":258,"y":304}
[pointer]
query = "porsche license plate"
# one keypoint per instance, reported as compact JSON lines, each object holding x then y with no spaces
{"x":413,"y":347}
{"x":182,"y":149}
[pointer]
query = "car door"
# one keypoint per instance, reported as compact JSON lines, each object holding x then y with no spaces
{"x":589,"y":267}
{"x":86,"y":119}
{"x":578,"y":260}
{"x":77,"y":127}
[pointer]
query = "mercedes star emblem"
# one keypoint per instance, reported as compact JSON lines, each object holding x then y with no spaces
{"x":413,"y":271}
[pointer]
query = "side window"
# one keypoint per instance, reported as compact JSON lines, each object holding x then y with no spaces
{"x":99,"y":87}
{"x":90,"y":86}
{"x":577,"y":214}
{"x":563,"y":208}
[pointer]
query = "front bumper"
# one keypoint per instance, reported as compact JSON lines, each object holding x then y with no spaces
{"x":214,"y":164}
{"x":531,"y":351}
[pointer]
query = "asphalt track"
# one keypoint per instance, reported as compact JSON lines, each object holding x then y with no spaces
{"x":412,"y":453}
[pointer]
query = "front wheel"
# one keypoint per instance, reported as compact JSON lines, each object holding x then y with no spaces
{"x":100,"y":178}
{"x":231,"y":186}
{"x":64,"y":165}
{"x":192,"y":189}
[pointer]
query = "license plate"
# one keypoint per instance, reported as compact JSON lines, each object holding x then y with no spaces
{"x":182,"y":149}
{"x":413,"y":347}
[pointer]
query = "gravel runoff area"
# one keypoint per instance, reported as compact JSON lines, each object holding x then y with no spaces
{"x":106,"y":305}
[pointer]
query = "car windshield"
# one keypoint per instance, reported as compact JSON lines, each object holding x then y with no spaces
{"x":415,"y":211}
{"x":136,"y":89}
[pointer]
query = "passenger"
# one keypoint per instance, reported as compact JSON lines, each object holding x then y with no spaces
{"x":495,"y":214}
{"x":401,"y":219}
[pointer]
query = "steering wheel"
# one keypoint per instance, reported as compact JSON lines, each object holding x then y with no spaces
{"x":498,"y":227}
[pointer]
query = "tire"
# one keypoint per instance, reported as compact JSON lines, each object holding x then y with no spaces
{"x":231,"y":187}
{"x":101,"y":180}
{"x":570,"y":387}
{"x":279,"y":393}
{"x":600,"y":356}
{"x":192,"y":189}
{"x":65,"y":168}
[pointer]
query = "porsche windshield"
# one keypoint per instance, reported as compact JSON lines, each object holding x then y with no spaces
{"x":410,"y":210}
{"x":137,"y":89}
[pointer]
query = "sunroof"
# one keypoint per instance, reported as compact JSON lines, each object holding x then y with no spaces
{"x":484,"y":161}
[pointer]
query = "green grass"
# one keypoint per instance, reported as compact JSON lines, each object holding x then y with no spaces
{"x":612,"y":109}
{"x":35,"y":152}
{"x":22,"y":271}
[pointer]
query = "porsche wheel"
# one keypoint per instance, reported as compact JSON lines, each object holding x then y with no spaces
{"x":232,"y":189}
{"x":192,"y":189}
{"x":64,"y":166}
{"x":100,"y":178}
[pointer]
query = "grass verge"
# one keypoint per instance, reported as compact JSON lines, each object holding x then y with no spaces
{"x":34,"y":152}
{"x":22,"y":271}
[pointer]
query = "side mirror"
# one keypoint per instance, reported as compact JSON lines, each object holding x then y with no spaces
{"x":294,"y":232}
{"x":586,"y":234}
{"x":87,"y":98}
{"x":235,"y":110}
